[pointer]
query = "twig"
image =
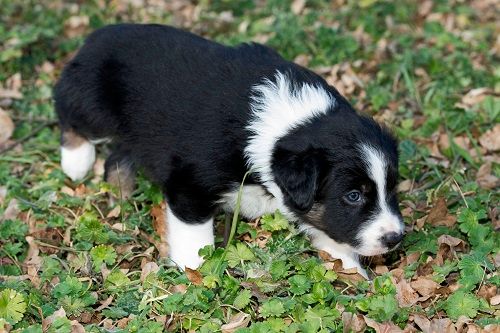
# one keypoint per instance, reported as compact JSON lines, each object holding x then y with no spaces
{"x":27,"y":137}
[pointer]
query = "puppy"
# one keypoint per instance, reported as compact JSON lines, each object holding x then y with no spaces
{"x":196,"y":116}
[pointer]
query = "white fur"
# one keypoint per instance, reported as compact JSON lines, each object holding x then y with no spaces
{"x":385,"y":221}
{"x":185,"y":240}
{"x":277,"y":108}
{"x":344,"y":252}
{"x":255,"y":201}
{"x":76,"y":162}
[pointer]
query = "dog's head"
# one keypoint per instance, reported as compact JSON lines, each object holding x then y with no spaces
{"x":335,"y":170}
{"x":338,"y":173}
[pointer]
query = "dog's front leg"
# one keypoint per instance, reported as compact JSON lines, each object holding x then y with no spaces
{"x":186,"y":239}
{"x":349,"y":259}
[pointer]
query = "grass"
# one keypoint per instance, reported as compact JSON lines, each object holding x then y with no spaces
{"x":69,"y":261}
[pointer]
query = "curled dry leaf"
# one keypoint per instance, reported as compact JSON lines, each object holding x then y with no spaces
{"x":382,"y":327}
{"x":6,"y":126}
{"x":50,"y":319}
{"x":12,"y":88}
{"x":115,"y":212}
{"x":424,"y":286}
{"x":194,"y":276}
{"x":485,"y":179}
{"x":450,"y":241}
{"x":443,"y":325}
{"x":76,"y":26}
{"x":148,"y":268}
{"x":298,"y":6}
{"x":237,"y":321}
{"x":76,"y":327}
{"x":11,"y":211}
{"x":491,"y":139}
{"x":353,"y":322}
{"x":438,"y":215}
{"x":105,"y":303}
{"x":405,"y":294}
{"x":422,"y":322}
{"x":495,"y":300}
{"x":160,"y":226}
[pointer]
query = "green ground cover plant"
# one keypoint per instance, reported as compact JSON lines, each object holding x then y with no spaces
{"x":70,"y":261}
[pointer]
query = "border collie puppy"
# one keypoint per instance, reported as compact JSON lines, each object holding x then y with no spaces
{"x":196,"y":116}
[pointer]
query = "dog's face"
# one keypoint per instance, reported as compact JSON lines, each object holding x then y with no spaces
{"x":339,"y":174}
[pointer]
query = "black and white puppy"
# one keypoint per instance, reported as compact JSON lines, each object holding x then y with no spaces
{"x":196,"y":116}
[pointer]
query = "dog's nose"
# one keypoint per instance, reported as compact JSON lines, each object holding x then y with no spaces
{"x":392,"y":239}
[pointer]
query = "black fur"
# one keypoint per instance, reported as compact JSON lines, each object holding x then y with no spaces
{"x":180,"y":105}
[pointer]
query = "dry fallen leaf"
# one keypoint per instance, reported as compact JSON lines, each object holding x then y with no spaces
{"x":485,"y":178}
{"x":237,"y":321}
{"x":298,"y":6}
{"x":443,"y":325}
{"x":50,"y":319}
{"x":491,"y":139}
{"x":382,"y":327}
{"x":160,"y":226}
{"x":104,"y":304}
{"x":11,"y":211}
{"x":76,"y":327}
{"x":424,"y":286}
{"x":405,"y":294}
{"x":148,"y":268}
{"x":438,"y":215}
{"x":353,"y":322}
{"x":76,"y":26}
{"x":194,"y":276}
{"x":6,"y":126}
{"x":115,"y":212}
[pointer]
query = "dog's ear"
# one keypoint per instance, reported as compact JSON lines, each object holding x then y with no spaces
{"x":297,"y":175}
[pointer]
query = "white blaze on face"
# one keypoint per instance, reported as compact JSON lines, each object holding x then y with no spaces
{"x":384,"y":221}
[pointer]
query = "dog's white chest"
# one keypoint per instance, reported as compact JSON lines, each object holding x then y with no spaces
{"x":255,"y":201}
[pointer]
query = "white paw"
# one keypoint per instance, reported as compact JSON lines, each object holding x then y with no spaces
{"x":186,"y":239}
{"x":76,"y":162}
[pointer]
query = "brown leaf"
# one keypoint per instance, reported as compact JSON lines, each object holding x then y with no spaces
{"x":6,"y":126}
{"x":443,"y":325}
{"x":438,"y":215}
{"x":105,"y":304}
{"x":262,"y":238}
{"x":237,"y":321}
{"x":353,"y":322}
{"x":422,"y":322}
{"x":405,"y":185}
{"x":298,"y":6}
{"x":11,"y":211}
{"x":50,"y":319}
{"x":386,"y":327}
{"x":487,"y":291}
{"x":148,"y":268}
{"x":485,"y":178}
{"x":495,"y":300}
{"x":115,"y":212}
{"x":475,"y":96}
{"x":424,"y":286}
{"x":12,"y":88}
{"x":491,"y":139}
{"x":76,"y":327}
{"x":160,"y":226}
{"x":194,"y":276}
{"x":76,"y":26}
{"x":450,"y":241}
{"x":405,"y":294}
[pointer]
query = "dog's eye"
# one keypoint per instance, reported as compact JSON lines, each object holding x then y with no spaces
{"x":353,"y":196}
